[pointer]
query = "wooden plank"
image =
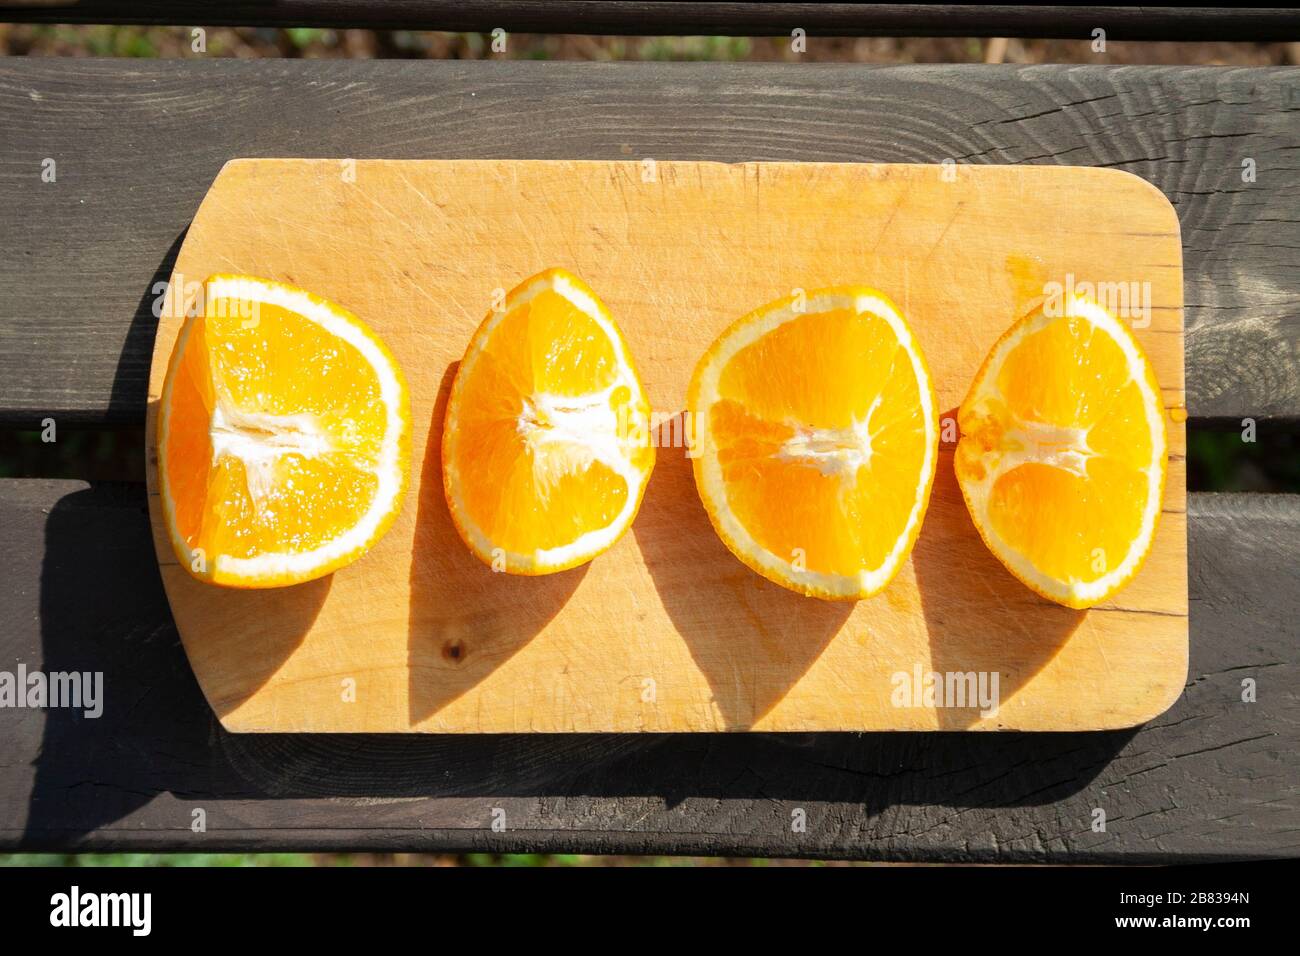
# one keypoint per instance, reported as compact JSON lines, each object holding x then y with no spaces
{"x":1211,"y":779}
{"x":677,"y":260}
{"x":715,"y":18}
{"x":136,"y":146}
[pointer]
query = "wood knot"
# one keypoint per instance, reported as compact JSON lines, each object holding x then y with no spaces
{"x":455,"y":650}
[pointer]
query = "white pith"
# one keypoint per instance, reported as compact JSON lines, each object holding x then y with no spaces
{"x":581,"y":429}
{"x":1060,"y":447}
{"x":838,"y":452}
{"x":586,"y":423}
{"x":259,"y":439}
{"x":833,"y":452}
{"x":1067,"y":448}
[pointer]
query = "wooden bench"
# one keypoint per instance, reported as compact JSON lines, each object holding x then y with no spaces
{"x":136,"y":145}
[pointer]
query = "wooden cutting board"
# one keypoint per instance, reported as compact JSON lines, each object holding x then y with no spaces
{"x":668,"y":631}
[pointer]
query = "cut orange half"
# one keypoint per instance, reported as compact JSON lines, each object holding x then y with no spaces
{"x":283,"y":436}
{"x":1062,"y":454}
{"x":814,"y":436}
{"x":546,"y":444}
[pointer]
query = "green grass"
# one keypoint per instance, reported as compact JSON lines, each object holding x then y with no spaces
{"x":1226,"y":461}
{"x":155,"y":859}
{"x":696,"y":48}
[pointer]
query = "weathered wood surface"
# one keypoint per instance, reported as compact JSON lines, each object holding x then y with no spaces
{"x":717,"y":18}
{"x":136,"y":146}
{"x":1213,"y":778}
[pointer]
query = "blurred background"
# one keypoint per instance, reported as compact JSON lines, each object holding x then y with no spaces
{"x":140,"y":41}
{"x":1218,"y":457}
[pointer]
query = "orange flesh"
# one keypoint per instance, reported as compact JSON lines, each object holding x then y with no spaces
{"x":521,"y":484}
{"x":809,"y":381}
{"x":1067,"y":399}
{"x":286,"y":366}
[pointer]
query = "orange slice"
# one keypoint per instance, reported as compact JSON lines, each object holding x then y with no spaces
{"x":814,"y":441}
{"x":1062,"y":454}
{"x":546,"y":445}
{"x":283,"y":436}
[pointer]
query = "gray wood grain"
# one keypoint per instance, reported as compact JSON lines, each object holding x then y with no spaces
{"x":137,"y":144}
{"x":1212,"y":778}
{"x":715,"y":18}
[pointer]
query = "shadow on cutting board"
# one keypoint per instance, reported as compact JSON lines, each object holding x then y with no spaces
{"x":752,"y":639}
{"x":465,"y":620}
{"x":980,"y":617}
